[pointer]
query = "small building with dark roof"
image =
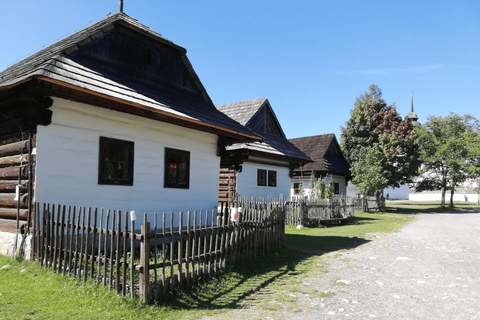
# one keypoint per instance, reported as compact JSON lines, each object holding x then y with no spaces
{"x":328,"y":163}
{"x":259,"y":168}
{"x":113,"y":116}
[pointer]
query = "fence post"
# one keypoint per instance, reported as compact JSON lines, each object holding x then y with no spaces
{"x":144,"y":260}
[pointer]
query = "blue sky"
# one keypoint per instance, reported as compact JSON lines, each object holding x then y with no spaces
{"x":310,"y":58}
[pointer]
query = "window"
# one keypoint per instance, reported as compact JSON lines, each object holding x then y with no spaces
{"x":115,"y":165}
{"x":272,"y":178}
{"x":264,"y":176}
{"x":261,"y":177}
{"x":336,"y":188}
{"x":177,"y":168}
{"x":296,"y":188}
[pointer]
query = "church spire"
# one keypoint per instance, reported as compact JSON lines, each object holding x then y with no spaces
{"x":412,"y":116}
{"x":411,"y":104}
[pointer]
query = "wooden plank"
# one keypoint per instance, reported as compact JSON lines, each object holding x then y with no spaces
{"x":164,"y":253}
{"x":156,"y":246}
{"x":188,"y":240}
{"x":82,"y":241}
{"x":9,"y":186}
{"x":132,"y":255}
{"x":11,"y":214}
{"x":15,"y":148}
{"x":13,"y":173}
{"x":45,"y":236}
{"x":77,"y":242}
{"x":124,"y":273}
{"x":100,"y":242}
{"x":94,"y":241}
{"x":144,"y":260}
{"x":36,"y":228}
{"x":55,"y":235}
{"x":180,"y":249}
{"x":194,"y":244}
{"x":62,"y":250}
{"x":205,"y":240}
{"x":68,"y":244}
{"x":105,"y":245}
{"x":110,"y":263}
{"x":15,"y":160}
{"x":118,"y":252}
{"x":87,"y":244}
{"x":172,"y":240}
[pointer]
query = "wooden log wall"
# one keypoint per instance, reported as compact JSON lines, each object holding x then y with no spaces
{"x":22,"y":109}
{"x":15,"y":172}
{"x":227,"y":188}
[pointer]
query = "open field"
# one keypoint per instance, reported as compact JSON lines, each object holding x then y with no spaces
{"x":29,"y":292}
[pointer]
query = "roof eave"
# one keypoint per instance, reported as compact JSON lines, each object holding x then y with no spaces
{"x":64,"y":90}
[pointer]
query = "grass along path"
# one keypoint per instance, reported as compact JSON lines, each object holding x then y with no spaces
{"x":267,"y":285}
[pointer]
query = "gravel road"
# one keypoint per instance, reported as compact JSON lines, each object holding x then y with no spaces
{"x":428,"y":270}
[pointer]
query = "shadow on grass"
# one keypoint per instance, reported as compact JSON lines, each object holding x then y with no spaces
{"x":324,"y":244}
{"x":232,"y":287}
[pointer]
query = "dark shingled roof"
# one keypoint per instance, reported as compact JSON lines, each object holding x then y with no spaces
{"x":63,"y":64}
{"x":325,"y":151}
{"x":258,"y":115}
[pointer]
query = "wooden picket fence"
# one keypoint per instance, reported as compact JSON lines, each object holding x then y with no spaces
{"x":372,"y":203}
{"x":307,"y":211}
{"x":166,"y":252}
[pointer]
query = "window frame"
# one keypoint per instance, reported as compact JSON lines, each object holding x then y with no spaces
{"x":261,"y":177}
{"x":272,"y":178}
{"x":116,"y":181}
{"x":169,"y":153}
{"x":336,"y":188}
{"x":296,"y":188}
{"x":266,"y":178}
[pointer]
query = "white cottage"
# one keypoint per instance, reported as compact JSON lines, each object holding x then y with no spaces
{"x":258,"y":169}
{"x":113,"y":116}
{"x":329,"y":164}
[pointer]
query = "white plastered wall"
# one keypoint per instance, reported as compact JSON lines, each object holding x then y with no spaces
{"x":308,"y":184}
{"x":247,"y":181}
{"x":68,"y":156}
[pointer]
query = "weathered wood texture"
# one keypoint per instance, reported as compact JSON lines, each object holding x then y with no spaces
{"x":305,"y":212}
{"x":227,"y":188}
{"x":16,"y":173}
{"x":100,"y":247}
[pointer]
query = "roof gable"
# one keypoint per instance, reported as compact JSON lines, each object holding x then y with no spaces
{"x":137,"y":57}
{"x":325,"y":151}
{"x":121,"y":64}
{"x":256,"y":114}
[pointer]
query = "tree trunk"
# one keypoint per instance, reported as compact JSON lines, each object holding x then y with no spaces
{"x":452,"y":191}
{"x":442,"y":203}
{"x":444,"y":190}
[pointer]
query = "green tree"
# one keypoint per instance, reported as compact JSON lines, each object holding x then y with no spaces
{"x":367,"y":172}
{"x":450,"y":153}
{"x":376,"y":135}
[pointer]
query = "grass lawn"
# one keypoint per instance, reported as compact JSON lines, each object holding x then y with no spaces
{"x":29,"y":292}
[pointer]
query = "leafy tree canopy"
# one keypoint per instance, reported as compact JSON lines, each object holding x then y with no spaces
{"x":377,"y":137}
{"x":450,"y":153}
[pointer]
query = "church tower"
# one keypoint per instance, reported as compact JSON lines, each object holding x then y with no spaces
{"x":412,"y":116}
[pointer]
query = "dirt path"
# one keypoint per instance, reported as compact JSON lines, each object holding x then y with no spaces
{"x":428,"y":270}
